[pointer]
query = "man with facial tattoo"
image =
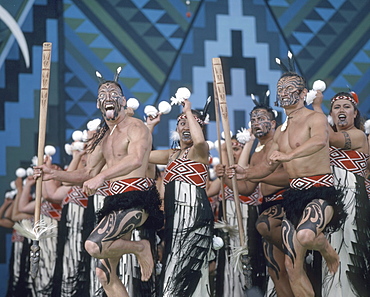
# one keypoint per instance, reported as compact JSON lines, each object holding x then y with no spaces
{"x":312,"y":204}
{"x":117,"y":153}
{"x":272,"y":187}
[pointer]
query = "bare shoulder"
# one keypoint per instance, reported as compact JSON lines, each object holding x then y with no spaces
{"x":316,"y":116}
{"x":135,"y":126}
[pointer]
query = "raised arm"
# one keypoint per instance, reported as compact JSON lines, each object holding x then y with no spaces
{"x":25,"y":205}
{"x":16,"y":214}
{"x":6,"y":213}
{"x":157,"y":156}
{"x":200,"y":150}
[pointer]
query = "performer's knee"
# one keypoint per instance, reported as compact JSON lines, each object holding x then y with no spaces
{"x":305,"y":237}
{"x":92,"y":248}
{"x":263,"y":229}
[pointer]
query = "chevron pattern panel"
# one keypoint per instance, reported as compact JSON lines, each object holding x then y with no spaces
{"x":330,"y":39}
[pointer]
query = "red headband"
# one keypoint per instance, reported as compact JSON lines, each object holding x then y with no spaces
{"x":183,"y":116}
{"x":237,"y":143}
{"x":354,"y":100}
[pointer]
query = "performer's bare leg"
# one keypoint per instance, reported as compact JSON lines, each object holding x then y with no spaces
{"x":276,"y":268}
{"x":308,"y":235}
{"x":111,"y":239}
{"x":316,"y":240}
{"x":269,"y":225}
{"x":105,"y":272}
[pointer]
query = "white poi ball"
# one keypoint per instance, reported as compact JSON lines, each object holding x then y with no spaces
{"x":34,"y":161}
{"x":211,"y":145}
{"x":164,"y":107}
{"x":133,"y":103}
{"x":50,"y":150}
{"x":77,"y":135}
{"x":93,"y":125}
{"x":183,"y":93}
{"x":78,"y":146}
{"x":150,"y":111}
{"x":212,"y":174}
{"x":367,"y":126}
{"x":9,"y":195}
{"x":217,"y":242}
{"x":68,"y":149}
{"x":319,"y":85}
{"x":29,"y":171}
{"x":20,"y":172}
{"x":223,"y":134}
{"x":12,"y":185}
{"x":85,"y":136}
{"x":215,"y":161}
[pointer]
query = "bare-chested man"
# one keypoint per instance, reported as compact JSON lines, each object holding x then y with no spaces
{"x":263,"y":125}
{"x":119,"y":153}
{"x":311,"y":203}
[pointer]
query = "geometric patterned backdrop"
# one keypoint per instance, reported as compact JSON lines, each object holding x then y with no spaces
{"x":160,"y":49}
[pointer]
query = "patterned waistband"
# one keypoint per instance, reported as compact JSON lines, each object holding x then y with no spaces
{"x":130,"y":184}
{"x":274,"y":197}
{"x":104,"y":189}
{"x":77,"y":196}
{"x":303,"y":183}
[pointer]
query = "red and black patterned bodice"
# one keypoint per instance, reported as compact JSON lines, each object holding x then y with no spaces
{"x":52,"y":210}
{"x":187,"y":171}
{"x":350,"y":160}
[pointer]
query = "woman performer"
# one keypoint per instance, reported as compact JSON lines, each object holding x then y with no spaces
{"x":189,"y":217}
{"x":349,"y":153}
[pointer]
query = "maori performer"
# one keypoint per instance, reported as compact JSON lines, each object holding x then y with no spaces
{"x":272,"y":187}
{"x":312,"y":204}
{"x":189,"y":217}
{"x":349,"y":154}
{"x":123,"y":145}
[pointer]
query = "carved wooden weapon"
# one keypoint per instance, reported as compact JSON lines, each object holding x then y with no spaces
{"x":44,"y":95}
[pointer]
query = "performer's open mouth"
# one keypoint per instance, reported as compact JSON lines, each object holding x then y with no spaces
{"x":342,"y":117}
{"x":186,"y":135}
{"x":109,"y":111}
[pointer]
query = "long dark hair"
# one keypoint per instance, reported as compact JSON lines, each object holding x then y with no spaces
{"x":97,"y":137}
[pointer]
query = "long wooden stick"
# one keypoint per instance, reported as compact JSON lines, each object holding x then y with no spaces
{"x":221,"y":95}
{"x":217,"y":114}
{"x":44,"y":95}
